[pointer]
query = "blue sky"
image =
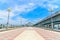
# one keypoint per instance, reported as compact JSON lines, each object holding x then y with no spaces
{"x":26,"y":10}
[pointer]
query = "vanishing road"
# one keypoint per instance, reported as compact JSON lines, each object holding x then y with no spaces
{"x":29,"y":33}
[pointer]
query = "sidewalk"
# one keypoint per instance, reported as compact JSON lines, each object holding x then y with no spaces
{"x":29,"y":35}
{"x":11,"y":34}
{"x":47,"y":34}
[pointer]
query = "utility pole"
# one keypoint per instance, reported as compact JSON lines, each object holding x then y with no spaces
{"x":8,"y":10}
{"x":51,"y":11}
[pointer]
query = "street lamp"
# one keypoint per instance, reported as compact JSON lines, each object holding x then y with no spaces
{"x":51,"y":10}
{"x":9,"y":10}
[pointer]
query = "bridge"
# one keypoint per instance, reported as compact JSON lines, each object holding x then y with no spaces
{"x":52,"y":21}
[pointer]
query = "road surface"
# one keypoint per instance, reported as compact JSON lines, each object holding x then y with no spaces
{"x":29,"y":33}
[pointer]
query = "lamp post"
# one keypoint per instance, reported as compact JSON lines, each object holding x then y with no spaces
{"x":8,"y":10}
{"x":51,"y":10}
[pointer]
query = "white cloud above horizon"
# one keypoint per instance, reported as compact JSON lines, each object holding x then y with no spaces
{"x":27,"y":7}
{"x":17,"y":21}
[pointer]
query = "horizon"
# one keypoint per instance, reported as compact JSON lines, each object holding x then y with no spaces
{"x":25,"y":11}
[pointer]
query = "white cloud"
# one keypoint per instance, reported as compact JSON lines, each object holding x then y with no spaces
{"x":52,"y":6}
{"x":48,"y":3}
{"x":19,"y":8}
{"x":4,"y":14}
{"x":25,"y":7}
{"x":3,"y":1}
{"x":29,"y":6}
{"x":22,"y":20}
{"x":17,"y":21}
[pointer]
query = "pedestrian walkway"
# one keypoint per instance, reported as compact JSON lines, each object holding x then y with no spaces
{"x":10,"y":35}
{"x":47,"y":34}
{"x":29,"y":35}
